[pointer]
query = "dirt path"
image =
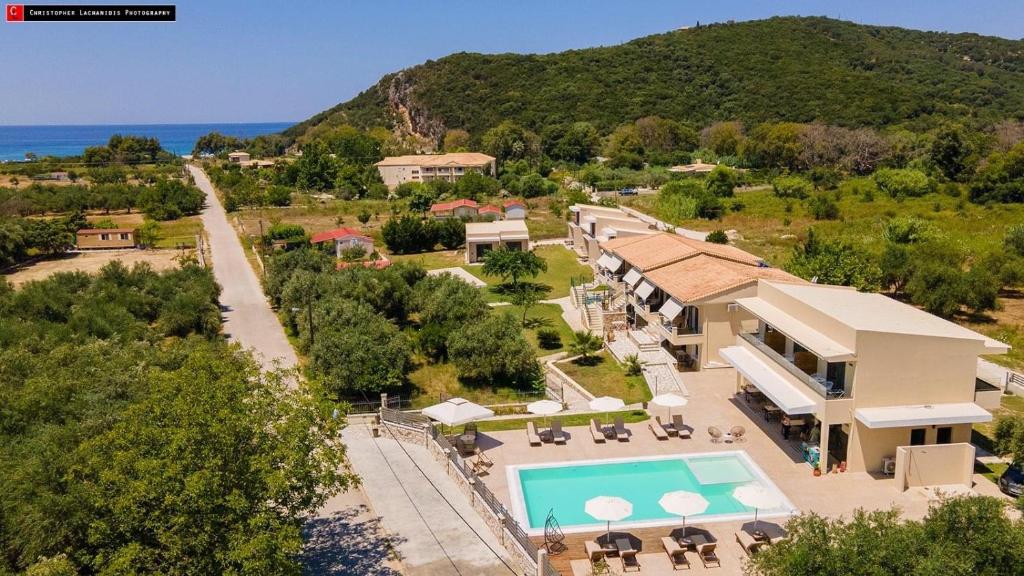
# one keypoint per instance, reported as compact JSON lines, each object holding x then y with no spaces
{"x":91,"y":262}
{"x":248,"y":318}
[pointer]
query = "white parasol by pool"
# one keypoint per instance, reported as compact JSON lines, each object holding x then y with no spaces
{"x":756,"y":497}
{"x":544,"y":407}
{"x":606,"y":404}
{"x":455,"y":411}
{"x":608,"y":508}
{"x":670,"y":401}
{"x":683,"y":503}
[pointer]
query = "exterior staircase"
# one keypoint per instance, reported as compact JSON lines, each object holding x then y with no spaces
{"x":594,"y":319}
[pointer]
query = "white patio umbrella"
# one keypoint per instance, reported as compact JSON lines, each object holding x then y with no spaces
{"x":455,"y":411}
{"x":670,"y":401}
{"x":757,"y":497}
{"x":683,"y":503}
{"x":606,"y":404}
{"x":544,"y":407}
{"x":608,"y":508}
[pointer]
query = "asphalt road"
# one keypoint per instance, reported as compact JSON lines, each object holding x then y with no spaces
{"x":248,"y":318}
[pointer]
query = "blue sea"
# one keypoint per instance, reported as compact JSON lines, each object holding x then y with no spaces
{"x":15,"y":141}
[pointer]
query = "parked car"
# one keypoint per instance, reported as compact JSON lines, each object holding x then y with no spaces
{"x":1012,"y":480}
{"x":628,"y":192}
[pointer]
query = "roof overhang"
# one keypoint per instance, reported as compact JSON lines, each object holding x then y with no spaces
{"x":818,"y":343}
{"x":922,"y":415}
{"x":775,"y":386}
{"x":486,"y":238}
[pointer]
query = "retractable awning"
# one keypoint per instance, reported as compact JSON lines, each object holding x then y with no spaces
{"x":645,"y":290}
{"x":632,"y":277}
{"x":922,"y":415}
{"x":609,"y":262}
{"x":671,"y":309}
{"x":782,"y":393}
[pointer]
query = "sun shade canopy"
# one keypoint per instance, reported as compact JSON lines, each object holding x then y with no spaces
{"x":456,"y":411}
{"x":610,"y":262}
{"x":781,"y":392}
{"x":632,"y":277}
{"x":922,"y":415}
{"x":671,"y":309}
{"x":645,"y":290}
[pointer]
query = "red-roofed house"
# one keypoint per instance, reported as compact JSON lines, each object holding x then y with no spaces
{"x":515,"y":210}
{"x":344,"y":238}
{"x":455,"y":209}
{"x":489,"y":212}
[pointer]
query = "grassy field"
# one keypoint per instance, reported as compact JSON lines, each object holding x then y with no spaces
{"x":538,"y":318}
{"x":563,"y":267}
{"x":180,"y":231}
{"x":628,"y":416}
{"x":431,"y":380}
{"x":607,"y":378}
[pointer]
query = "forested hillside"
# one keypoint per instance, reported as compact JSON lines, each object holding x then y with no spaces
{"x":795,"y":69}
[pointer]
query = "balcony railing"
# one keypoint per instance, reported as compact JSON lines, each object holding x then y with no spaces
{"x":821,"y":389}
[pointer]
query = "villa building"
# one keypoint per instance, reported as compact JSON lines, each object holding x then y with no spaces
{"x":877,"y":376}
{"x":482,"y":237}
{"x":680,"y":292}
{"x":238,"y":157}
{"x":345,"y":239}
{"x":395,"y":170}
{"x":98,"y":238}
{"x":590,"y":225}
{"x":515,"y":210}
{"x":464,"y":208}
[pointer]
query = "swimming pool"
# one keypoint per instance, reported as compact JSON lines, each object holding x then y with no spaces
{"x":564,"y":488}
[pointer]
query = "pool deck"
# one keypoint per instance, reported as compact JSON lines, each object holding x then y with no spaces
{"x":711,"y":404}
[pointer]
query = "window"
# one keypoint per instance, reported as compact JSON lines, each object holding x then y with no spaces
{"x":124,"y":236}
{"x":917,"y":436}
{"x":104,"y":236}
{"x":944,"y":435}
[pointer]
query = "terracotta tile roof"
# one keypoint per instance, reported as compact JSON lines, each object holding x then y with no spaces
{"x":511,"y":203}
{"x":444,"y":206}
{"x":453,"y":159}
{"x":338,"y":233}
{"x":652,"y":251}
{"x":705,"y":276}
{"x":93,"y":231}
{"x":490,"y":208}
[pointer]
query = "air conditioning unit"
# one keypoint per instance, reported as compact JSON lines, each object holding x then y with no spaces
{"x":732,"y":307}
{"x":888,"y":466}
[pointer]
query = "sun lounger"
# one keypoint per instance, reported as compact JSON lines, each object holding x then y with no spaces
{"x":557,"y":435}
{"x":629,"y":561}
{"x":531,"y":434}
{"x":748,"y":542}
{"x":658,"y":431}
{"x":676,"y":553}
{"x":707,"y":554}
{"x":620,"y":430}
{"x":482,"y":464}
{"x":594,"y":551}
{"x":596,"y":431}
{"x":669,"y":429}
{"x":677,"y":424}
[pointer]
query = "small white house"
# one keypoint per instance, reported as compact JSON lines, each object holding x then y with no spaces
{"x":239,"y":157}
{"x":482,"y":237}
{"x":515,"y":210}
{"x":344,"y":238}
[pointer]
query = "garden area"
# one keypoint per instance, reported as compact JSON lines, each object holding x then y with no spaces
{"x":601,"y":375}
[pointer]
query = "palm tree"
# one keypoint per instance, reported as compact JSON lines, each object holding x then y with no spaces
{"x":584,"y":344}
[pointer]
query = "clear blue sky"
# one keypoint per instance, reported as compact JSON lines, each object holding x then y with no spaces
{"x":279,"y":61}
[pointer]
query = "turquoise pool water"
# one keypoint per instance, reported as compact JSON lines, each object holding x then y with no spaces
{"x":565,"y":488}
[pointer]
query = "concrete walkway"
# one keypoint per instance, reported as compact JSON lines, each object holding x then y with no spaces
{"x":570,"y":314}
{"x":432,"y":538}
{"x":459,"y":272}
{"x":248,"y":318}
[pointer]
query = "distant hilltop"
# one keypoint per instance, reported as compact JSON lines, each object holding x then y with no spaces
{"x":780,"y":69}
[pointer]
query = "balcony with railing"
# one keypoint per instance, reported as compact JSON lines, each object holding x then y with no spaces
{"x":825,"y":388}
{"x":678,"y":335}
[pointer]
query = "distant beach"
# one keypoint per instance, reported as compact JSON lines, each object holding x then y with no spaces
{"x":16,"y":141}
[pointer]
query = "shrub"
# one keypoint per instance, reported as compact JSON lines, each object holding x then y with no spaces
{"x":792,"y":187}
{"x":903,"y":182}
{"x":908,"y":230}
{"x":721,"y":181}
{"x":1014,"y":239}
{"x":823,"y":207}
{"x":549,"y":338}
{"x":717,"y":237}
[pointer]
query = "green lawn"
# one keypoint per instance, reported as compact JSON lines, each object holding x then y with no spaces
{"x":628,"y":416}
{"x":430,"y":380}
{"x":563,"y":268}
{"x":984,"y":433}
{"x":607,"y":378}
{"x":434,"y":260}
{"x":991,"y":471}
{"x":180,"y":231}
{"x":539,"y":317}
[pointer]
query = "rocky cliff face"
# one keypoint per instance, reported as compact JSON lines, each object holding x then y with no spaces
{"x":410,"y":118}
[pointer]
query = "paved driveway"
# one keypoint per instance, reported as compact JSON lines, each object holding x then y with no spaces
{"x":248,"y":318}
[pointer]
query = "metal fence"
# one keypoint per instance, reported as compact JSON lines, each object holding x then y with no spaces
{"x":1013,"y":378}
{"x":404,"y":418}
{"x":368,"y":406}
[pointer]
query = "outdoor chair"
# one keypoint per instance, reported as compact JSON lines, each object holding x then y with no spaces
{"x":708,"y":556}
{"x":747,"y":541}
{"x":676,"y":553}
{"x":620,"y":430}
{"x":482,"y":464}
{"x":715,"y":433}
{"x":669,"y":428}
{"x":531,"y":434}
{"x":737,"y":433}
{"x":594,"y":551}
{"x":557,"y":436}
{"x":629,"y":561}
{"x":596,"y":432}
{"x":677,"y":424}
{"x":658,"y":430}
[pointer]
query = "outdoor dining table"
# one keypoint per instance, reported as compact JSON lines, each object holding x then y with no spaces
{"x":693,"y":541}
{"x":771,"y":411}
